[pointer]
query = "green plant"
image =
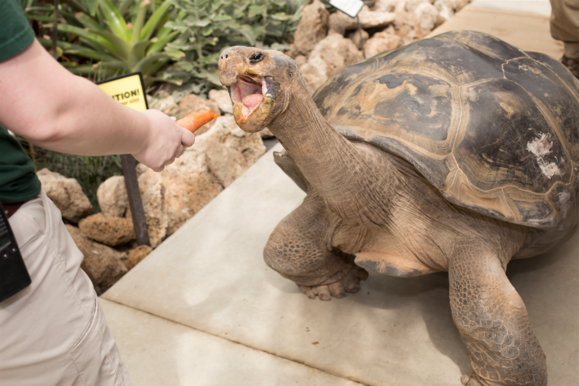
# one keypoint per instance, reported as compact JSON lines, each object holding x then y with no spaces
{"x":90,"y":172}
{"x":111,"y":44}
{"x":206,"y":27}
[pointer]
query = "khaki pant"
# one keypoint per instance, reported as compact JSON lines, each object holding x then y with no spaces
{"x":565,"y":25}
{"x":54,"y":332}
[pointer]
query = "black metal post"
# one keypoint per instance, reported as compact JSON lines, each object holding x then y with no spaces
{"x":55,"y":29}
{"x":135,"y":202}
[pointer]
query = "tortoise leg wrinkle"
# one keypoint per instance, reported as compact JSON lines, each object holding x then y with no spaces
{"x":298,"y":250}
{"x":493,"y":321}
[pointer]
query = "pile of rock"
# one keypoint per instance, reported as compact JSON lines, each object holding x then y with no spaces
{"x":222,"y":152}
{"x":325,"y":42}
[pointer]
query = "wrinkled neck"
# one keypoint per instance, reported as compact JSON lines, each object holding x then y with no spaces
{"x":314,"y":144}
{"x":341,"y":172}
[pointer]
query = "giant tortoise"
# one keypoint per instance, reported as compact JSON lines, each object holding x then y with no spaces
{"x":457,"y":153}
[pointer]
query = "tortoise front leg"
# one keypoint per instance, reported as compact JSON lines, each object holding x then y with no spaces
{"x":298,"y":250}
{"x":493,"y":321}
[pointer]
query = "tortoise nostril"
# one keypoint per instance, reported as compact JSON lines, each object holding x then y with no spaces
{"x":226,"y":56}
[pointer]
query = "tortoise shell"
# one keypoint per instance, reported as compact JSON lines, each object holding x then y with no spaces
{"x":493,"y":128}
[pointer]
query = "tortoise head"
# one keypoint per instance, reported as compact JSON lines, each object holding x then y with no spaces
{"x":259,"y":83}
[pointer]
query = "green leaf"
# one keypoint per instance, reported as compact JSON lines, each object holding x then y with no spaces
{"x":114,"y":19}
{"x":154,"y":20}
{"x":91,"y":54}
{"x":91,"y":5}
{"x":82,"y":70}
{"x":186,"y":66}
{"x":174,"y":54}
{"x":148,"y":61}
{"x":124,"y":6}
{"x":120,"y":47}
{"x":186,"y":89}
{"x":222,"y":18}
{"x":40,"y":18}
{"x":256,"y":10}
{"x":137,"y":53}
{"x":89,"y":22}
{"x":139,"y":22}
{"x":280,"y":16}
{"x":160,"y":44}
{"x":180,"y":46}
{"x":166,"y":79}
{"x":212,"y":76}
{"x":180,"y":26}
{"x":97,"y":40}
{"x":198,"y":23}
{"x":249,"y":34}
{"x":280,"y":47}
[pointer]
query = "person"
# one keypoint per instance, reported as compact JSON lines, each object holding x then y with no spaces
{"x":565,"y":27}
{"x":53,"y":332}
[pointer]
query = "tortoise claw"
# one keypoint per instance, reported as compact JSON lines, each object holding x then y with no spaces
{"x":307,"y":291}
{"x":337,"y":290}
{"x":349,"y":283}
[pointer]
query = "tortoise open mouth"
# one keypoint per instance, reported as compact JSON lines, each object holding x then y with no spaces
{"x":249,"y":93}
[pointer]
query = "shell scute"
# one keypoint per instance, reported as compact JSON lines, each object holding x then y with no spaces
{"x":493,"y":128}
{"x":555,"y":66}
{"x":516,"y":146}
{"x":559,"y":105}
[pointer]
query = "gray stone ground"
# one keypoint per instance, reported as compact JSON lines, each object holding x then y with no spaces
{"x":176,"y":314}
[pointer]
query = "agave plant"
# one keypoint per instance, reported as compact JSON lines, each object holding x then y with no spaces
{"x":118,"y":46}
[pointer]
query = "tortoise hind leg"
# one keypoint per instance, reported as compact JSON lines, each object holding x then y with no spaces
{"x":298,"y":250}
{"x":493,"y":321}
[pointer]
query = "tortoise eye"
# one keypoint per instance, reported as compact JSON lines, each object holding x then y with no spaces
{"x":256,"y":58}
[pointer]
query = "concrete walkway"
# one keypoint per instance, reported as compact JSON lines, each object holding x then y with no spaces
{"x":204,"y":309}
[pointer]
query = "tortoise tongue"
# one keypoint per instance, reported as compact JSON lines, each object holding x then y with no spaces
{"x":250,"y":102}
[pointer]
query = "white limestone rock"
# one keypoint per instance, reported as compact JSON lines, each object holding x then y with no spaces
{"x":380,"y":42}
{"x":112,"y":197}
{"x":312,"y":28}
{"x":152,"y":194}
{"x":332,"y":53}
{"x":223,"y":100}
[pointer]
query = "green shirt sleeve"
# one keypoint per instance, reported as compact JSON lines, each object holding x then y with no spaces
{"x":15,"y":32}
{"x":18,"y":180}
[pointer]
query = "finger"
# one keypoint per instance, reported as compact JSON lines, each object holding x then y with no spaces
{"x":179,"y":151}
{"x":187,"y":137}
{"x":169,"y":162}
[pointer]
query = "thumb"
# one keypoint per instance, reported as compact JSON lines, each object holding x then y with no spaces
{"x":187,"y":138}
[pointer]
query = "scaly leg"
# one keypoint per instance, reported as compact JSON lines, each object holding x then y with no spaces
{"x":298,"y":250}
{"x":493,"y":321}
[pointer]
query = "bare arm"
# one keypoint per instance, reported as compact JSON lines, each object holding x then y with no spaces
{"x":44,"y":103}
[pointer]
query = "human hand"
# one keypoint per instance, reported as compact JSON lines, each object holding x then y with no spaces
{"x":165,"y":141}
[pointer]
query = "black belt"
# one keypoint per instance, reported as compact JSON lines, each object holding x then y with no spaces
{"x":10,"y":209}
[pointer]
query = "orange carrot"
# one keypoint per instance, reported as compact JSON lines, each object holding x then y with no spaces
{"x":196,"y":120}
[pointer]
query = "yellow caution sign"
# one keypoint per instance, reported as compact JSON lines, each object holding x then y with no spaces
{"x":127,"y":90}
